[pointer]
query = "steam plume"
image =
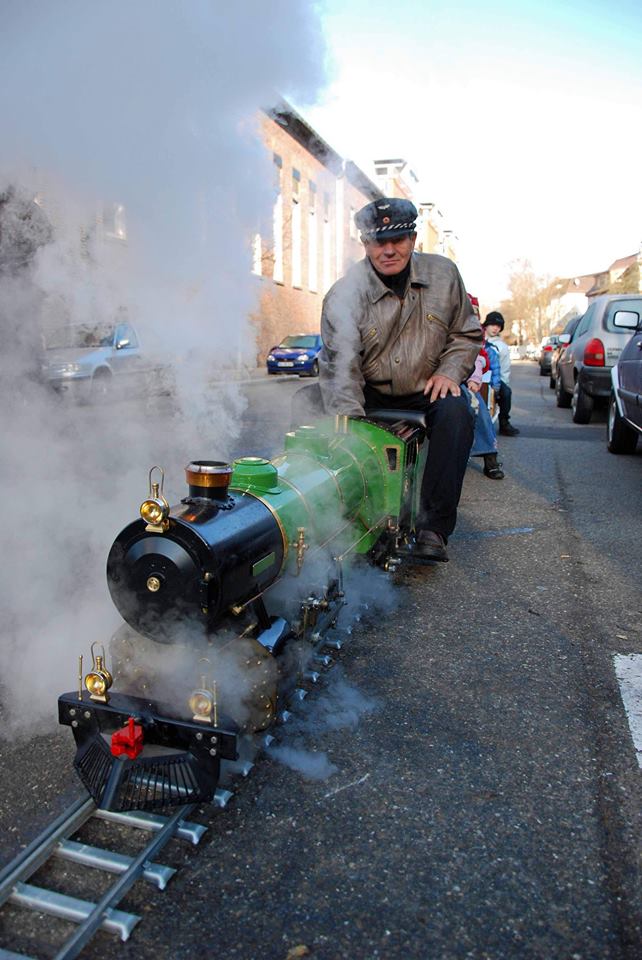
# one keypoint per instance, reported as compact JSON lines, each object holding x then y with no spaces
{"x":151,"y":107}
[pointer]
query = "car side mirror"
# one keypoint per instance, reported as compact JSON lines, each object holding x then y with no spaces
{"x":121,"y":343}
{"x":626,"y":319}
{"x":564,"y":338}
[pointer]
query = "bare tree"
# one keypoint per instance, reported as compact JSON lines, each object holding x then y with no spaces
{"x":526,"y":306}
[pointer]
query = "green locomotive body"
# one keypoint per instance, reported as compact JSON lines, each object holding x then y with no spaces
{"x":228,"y":597}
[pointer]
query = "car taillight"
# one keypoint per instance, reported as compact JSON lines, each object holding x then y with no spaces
{"x":594,"y":353}
{"x":546,"y":349}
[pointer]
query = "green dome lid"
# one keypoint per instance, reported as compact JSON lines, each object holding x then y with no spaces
{"x":255,"y":473}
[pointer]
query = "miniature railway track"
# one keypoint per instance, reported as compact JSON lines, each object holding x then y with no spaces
{"x":55,"y":842}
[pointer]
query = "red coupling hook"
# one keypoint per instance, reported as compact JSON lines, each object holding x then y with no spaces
{"x":128,"y":740}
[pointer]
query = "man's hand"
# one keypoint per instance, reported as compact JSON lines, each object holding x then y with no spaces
{"x":473,"y":386}
{"x":439,"y":387}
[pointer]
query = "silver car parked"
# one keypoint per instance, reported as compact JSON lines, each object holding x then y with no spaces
{"x":584,"y":369}
{"x":84,"y":360}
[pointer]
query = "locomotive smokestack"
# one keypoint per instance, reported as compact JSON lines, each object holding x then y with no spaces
{"x":208,"y":479}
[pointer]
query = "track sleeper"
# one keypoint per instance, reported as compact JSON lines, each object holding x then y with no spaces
{"x":71,"y":908}
{"x":152,"y":822}
{"x":111,"y":862}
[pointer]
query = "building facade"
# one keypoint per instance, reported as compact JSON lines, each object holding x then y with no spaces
{"x":313,"y":238}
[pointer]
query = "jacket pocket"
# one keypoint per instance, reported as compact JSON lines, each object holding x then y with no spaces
{"x":370,"y":336}
{"x":433,"y":340}
{"x":433,"y":318}
{"x":370,"y":352}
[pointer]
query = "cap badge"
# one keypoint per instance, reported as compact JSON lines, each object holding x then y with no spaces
{"x":383,"y":206}
{"x":386,"y":219}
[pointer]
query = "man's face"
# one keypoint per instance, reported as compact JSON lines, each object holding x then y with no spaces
{"x":389,"y":257}
{"x":493,"y":329}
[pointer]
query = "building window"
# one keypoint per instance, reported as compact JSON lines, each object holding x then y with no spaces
{"x":353,"y":227}
{"x":312,"y":251}
{"x":296,"y":243}
{"x":296,"y":182}
{"x":114,"y":223}
{"x":326,"y":206}
{"x":327,"y":256}
{"x":313,"y":195}
{"x":277,"y":224}
{"x":340,"y":225}
{"x":257,"y":255}
{"x":278,"y":164}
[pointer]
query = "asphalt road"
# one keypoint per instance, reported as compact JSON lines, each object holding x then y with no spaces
{"x":482,"y":792}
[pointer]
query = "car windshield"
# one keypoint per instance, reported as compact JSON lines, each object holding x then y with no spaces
{"x":87,"y":335}
{"x":302,"y":343}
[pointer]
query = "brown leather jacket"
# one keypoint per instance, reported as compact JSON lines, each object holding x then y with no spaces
{"x":371,"y":336}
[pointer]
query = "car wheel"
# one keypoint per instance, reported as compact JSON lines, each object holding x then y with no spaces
{"x":101,"y":386}
{"x":620,"y":438}
{"x":562,"y":396}
{"x":551,"y":382}
{"x":581,"y":405}
{"x":314,"y":372}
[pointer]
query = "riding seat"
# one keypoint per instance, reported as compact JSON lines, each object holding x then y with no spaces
{"x":307,"y":404}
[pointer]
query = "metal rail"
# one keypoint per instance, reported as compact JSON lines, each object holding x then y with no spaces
{"x":55,"y":842}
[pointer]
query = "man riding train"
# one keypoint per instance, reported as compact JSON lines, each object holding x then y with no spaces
{"x":399,"y":333}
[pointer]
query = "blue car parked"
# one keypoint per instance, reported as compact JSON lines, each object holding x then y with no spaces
{"x":296,"y":354}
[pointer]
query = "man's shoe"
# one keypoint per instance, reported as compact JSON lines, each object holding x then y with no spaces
{"x":507,"y":430}
{"x":428,"y":546}
{"x":492,"y":468}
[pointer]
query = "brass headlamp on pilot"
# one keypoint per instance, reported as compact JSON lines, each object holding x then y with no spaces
{"x":155,"y":509}
{"x":99,"y":679}
{"x":203,"y":703}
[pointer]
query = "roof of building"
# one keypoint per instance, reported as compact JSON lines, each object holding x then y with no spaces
{"x":624,"y":262}
{"x":581,"y":284}
{"x":358,"y":179}
{"x":293,"y":123}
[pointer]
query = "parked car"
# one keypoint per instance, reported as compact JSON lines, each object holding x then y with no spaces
{"x":296,"y":354}
{"x":624,"y":424}
{"x":547,"y":346}
{"x":83,"y":360}
{"x":584,"y":369}
{"x":568,"y":330}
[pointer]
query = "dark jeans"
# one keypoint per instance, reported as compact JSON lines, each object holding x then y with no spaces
{"x":450,"y":425}
{"x":504,"y":402}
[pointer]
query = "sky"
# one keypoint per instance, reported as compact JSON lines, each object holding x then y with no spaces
{"x":523,"y":121}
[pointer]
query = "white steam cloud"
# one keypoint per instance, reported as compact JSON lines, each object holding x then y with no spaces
{"x":148,"y":109}
{"x":340,"y":706}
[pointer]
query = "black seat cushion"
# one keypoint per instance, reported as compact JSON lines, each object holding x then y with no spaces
{"x":416,"y":418}
{"x":307,"y":405}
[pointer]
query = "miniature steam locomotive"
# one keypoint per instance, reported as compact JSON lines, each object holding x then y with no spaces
{"x":227,"y":598}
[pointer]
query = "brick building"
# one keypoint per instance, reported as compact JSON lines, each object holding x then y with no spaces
{"x":313,"y":239}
